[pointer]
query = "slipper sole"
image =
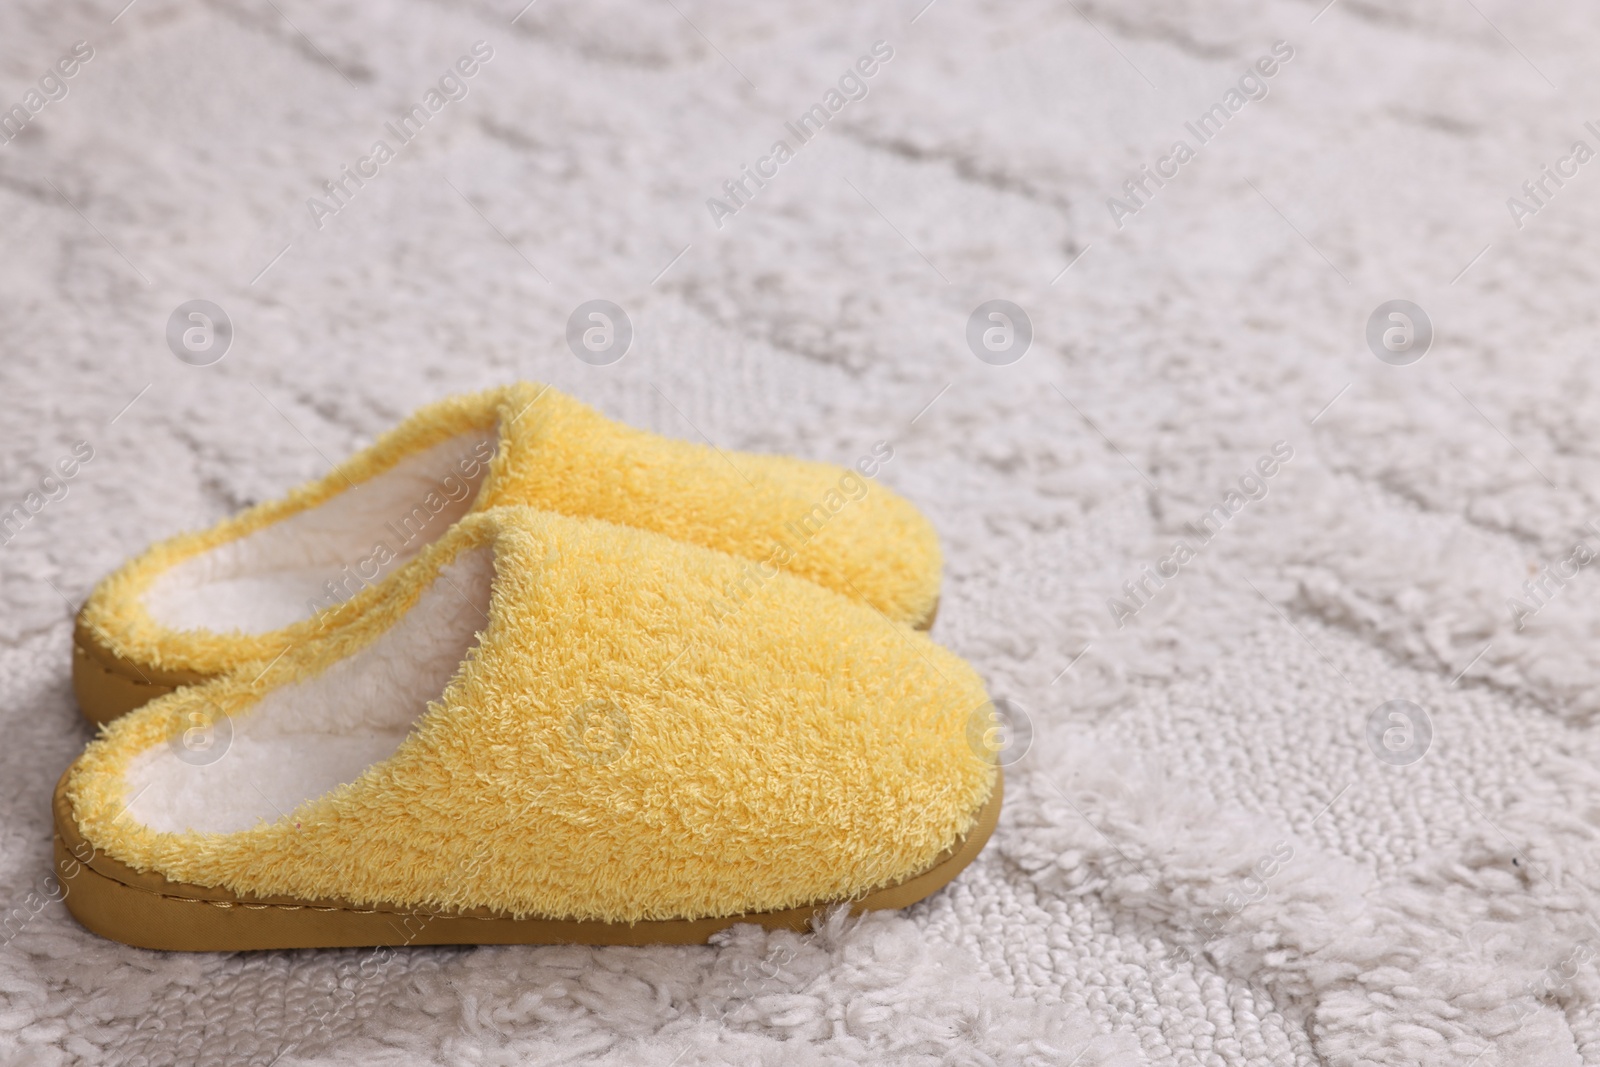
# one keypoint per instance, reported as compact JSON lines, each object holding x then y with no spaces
{"x":148,"y":911}
{"x":107,"y":686}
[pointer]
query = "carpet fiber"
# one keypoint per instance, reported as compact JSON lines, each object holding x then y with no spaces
{"x":1222,"y":847}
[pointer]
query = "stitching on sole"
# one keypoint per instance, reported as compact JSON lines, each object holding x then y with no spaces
{"x":112,"y":672}
{"x":755,"y":917}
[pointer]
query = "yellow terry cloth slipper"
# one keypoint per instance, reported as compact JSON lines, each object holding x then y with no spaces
{"x":538,"y":735}
{"x":197,"y":605}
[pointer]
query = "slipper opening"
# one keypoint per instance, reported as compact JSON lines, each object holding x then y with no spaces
{"x":306,"y":738}
{"x":324,"y":555}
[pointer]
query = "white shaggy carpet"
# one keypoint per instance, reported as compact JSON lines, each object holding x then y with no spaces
{"x":1203,"y":860}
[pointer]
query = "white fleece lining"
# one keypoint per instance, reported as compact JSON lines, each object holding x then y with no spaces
{"x":304,"y":739}
{"x":324,"y":555}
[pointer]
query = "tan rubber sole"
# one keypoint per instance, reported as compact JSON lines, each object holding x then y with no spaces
{"x":148,"y":911}
{"x":108,"y":686}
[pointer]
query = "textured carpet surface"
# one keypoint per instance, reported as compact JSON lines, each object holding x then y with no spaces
{"x":1204,"y":860}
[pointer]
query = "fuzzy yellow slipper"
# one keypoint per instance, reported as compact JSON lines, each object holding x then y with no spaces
{"x":197,"y":605}
{"x":538,"y":734}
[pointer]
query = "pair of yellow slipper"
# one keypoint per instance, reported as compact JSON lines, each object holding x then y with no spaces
{"x":519,"y":674}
